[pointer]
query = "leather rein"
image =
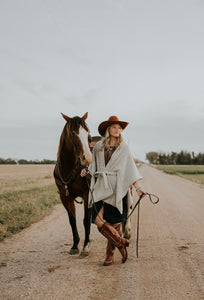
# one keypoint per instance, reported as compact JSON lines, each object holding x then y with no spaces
{"x":137,"y":204}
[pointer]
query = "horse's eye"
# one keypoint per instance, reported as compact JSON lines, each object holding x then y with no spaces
{"x":73,"y":133}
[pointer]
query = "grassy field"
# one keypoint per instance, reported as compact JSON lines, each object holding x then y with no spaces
{"x":27,"y":194}
{"x":192,"y":172}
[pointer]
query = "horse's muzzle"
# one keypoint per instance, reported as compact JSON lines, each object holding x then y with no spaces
{"x":86,"y":160}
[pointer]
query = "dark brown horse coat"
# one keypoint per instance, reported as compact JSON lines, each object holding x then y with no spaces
{"x":71,"y":158}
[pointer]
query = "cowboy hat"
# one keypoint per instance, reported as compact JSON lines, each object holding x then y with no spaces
{"x":112,"y":120}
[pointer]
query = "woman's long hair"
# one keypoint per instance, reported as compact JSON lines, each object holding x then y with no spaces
{"x":106,"y":140}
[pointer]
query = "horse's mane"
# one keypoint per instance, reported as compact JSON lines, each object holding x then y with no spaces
{"x":73,"y":124}
{"x":62,"y":139}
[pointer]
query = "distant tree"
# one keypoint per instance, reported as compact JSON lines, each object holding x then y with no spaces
{"x":181,"y":158}
{"x":200,"y":159}
{"x":48,"y":162}
{"x":2,"y":161}
{"x":35,"y":162}
{"x":23,"y":162}
{"x":152,"y":157}
{"x":173,"y":157}
{"x":184,"y":158}
{"x":8,"y":161}
{"x":163,"y":159}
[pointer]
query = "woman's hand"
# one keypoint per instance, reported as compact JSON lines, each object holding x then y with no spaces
{"x":138,"y":189}
{"x":84,"y":172}
{"x":140,"y":192}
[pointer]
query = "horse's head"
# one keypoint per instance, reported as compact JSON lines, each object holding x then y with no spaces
{"x":78,"y":135}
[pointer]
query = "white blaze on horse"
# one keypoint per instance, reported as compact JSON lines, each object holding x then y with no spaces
{"x":83,"y":135}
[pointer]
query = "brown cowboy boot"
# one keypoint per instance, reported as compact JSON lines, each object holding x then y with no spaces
{"x":110,"y":250}
{"x":113,"y":236}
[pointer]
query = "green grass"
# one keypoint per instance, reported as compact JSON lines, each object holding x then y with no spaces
{"x":194,"y":173}
{"x":19,"y":209}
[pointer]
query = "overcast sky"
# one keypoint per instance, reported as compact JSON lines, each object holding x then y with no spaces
{"x":140,"y":60}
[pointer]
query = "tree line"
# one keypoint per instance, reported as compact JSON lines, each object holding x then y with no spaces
{"x":174,"y":158}
{"x":10,"y":161}
{"x":158,"y":158}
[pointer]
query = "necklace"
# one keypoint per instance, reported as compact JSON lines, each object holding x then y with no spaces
{"x":110,"y":149}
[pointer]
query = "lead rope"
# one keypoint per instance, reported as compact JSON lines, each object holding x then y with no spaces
{"x":138,"y":223}
{"x":138,"y":215}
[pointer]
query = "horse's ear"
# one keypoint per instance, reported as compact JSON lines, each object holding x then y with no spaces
{"x":85,"y":116}
{"x":65,"y":117}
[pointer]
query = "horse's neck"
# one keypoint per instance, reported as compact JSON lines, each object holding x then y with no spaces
{"x":67,"y":159}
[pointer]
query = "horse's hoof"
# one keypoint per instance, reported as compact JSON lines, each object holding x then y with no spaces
{"x":127,"y":235}
{"x":85,"y":251}
{"x":83,"y":254}
{"x":74,"y":251}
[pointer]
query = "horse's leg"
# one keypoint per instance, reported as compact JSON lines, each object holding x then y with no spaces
{"x":69,"y":205}
{"x":72,"y":220}
{"x":87,"y":226}
{"x":127,"y":229}
{"x":127,"y":225}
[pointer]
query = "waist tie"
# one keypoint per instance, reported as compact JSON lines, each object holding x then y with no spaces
{"x":104,"y":175}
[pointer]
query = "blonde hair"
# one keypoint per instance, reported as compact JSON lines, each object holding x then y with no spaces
{"x":106,"y":140}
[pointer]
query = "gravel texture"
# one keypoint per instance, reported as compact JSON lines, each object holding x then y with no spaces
{"x":35,"y":263}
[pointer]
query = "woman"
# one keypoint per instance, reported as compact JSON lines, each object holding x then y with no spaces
{"x":113,"y":172}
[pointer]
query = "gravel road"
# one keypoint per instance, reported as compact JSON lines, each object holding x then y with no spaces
{"x":35,"y":263}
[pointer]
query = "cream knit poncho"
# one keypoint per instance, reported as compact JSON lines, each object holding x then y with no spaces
{"x":112,"y":182}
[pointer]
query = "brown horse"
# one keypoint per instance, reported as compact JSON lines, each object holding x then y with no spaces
{"x":73,"y":155}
